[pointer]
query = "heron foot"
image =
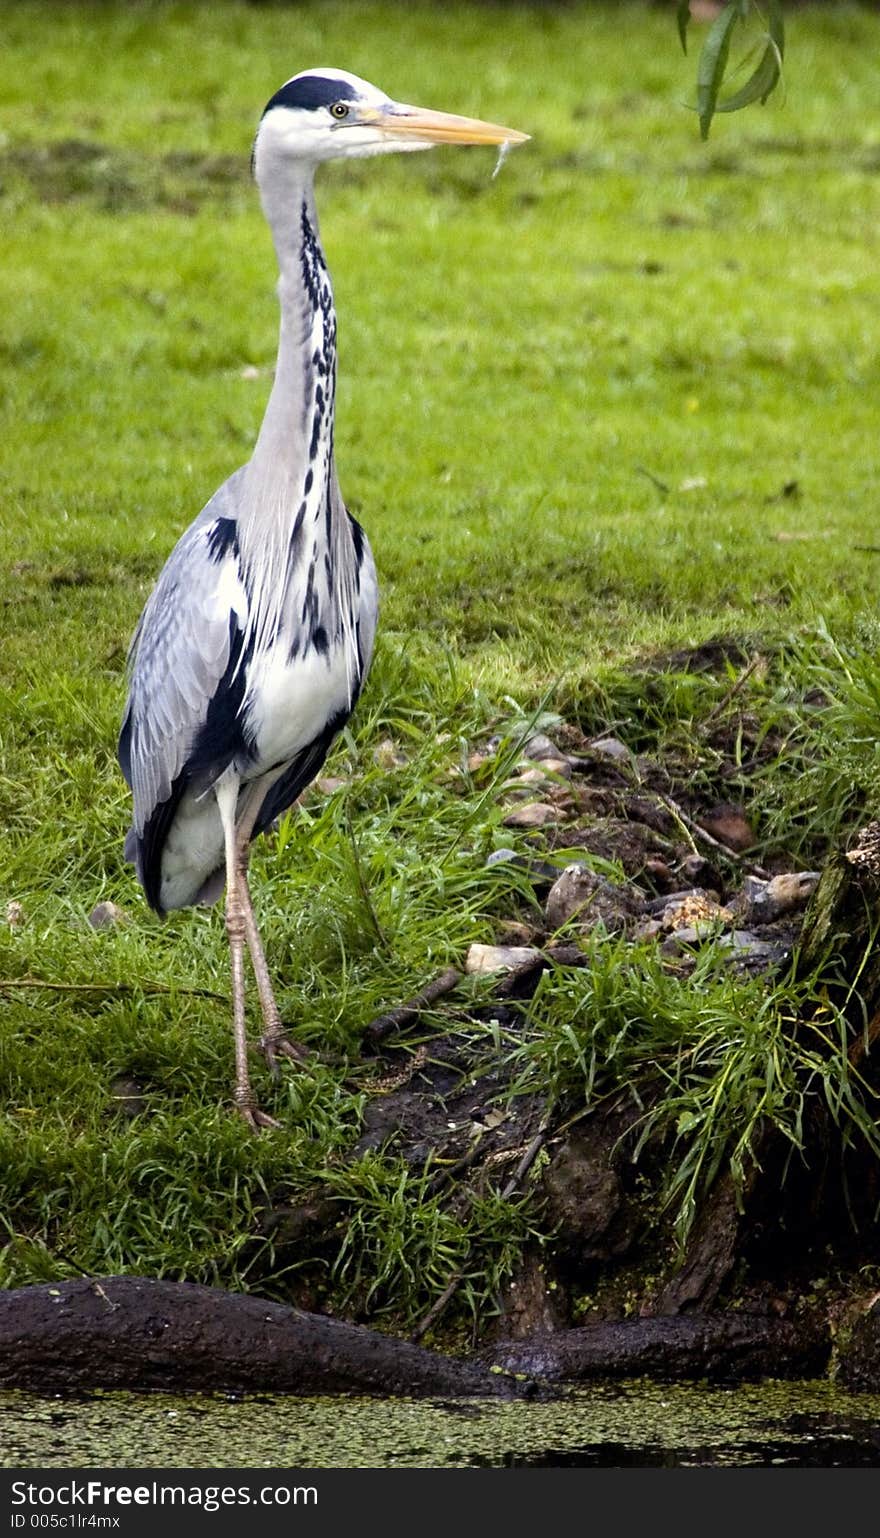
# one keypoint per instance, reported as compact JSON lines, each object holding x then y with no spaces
{"x":276,"y":1043}
{"x":250,"y":1112}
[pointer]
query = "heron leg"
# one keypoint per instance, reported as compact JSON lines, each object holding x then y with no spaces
{"x":226,"y":791}
{"x":274,"y":1040}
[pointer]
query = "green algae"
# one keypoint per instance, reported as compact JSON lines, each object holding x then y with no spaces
{"x":612,"y":1424}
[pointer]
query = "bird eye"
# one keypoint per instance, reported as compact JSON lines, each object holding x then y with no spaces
{"x":340,"y":109}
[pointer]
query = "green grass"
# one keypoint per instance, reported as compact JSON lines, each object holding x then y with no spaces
{"x":570,"y":401}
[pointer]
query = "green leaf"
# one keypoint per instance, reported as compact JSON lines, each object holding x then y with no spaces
{"x":768,"y":72}
{"x":683,"y":16}
{"x":759,"y":84}
{"x":713,"y":62}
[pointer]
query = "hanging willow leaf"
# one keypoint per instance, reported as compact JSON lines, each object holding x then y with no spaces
{"x":713,"y":62}
{"x":683,"y":16}
{"x":766,"y":76}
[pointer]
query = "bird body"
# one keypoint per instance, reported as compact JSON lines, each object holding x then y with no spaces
{"x":253,"y":647}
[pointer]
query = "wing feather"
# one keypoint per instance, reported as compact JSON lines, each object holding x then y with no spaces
{"x":179,"y":654}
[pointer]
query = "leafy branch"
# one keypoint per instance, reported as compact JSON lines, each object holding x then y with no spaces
{"x":712,"y":65}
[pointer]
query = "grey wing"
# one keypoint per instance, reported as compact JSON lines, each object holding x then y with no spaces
{"x":180,"y":652}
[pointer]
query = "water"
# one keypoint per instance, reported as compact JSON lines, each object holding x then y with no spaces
{"x":610,"y":1425}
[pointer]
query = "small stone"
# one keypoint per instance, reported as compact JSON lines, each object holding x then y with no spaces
{"x":14,"y":914}
{"x":533,"y":776}
{"x":107,"y":915}
{"x":558,"y":768}
{"x":729,"y":824}
{"x":540,"y":746}
{"x":328,"y":784}
{"x":610,"y":747}
{"x":762,"y":902}
{"x":476,"y":761}
{"x":535,"y":814}
{"x":500,"y":958}
{"x":866,"y":851}
{"x":696,"y":910}
{"x":580,"y":894}
{"x":753,"y":954}
{"x":648,"y":929}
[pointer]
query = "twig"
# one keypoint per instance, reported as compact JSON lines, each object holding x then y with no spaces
{"x":733,"y":691}
{"x":7,"y":984}
{"x":654,"y":479}
{"x":526,"y":1162}
{"x":438,"y":1306}
{"x":714,"y":843}
{"x":404,"y":1014}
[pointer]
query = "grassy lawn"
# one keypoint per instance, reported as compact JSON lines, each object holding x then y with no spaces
{"x":614,"y":403}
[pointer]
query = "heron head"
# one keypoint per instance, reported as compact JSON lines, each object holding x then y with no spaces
{"x":327,"y":114}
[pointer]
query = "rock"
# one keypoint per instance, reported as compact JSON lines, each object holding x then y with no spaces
{"x":729,"y":824}
{"x":555,"y":768}
{"x":14,"y":914}
{"x":648,"y":929}
{"x":533,"y":776}
{"x":754,"y":953}
{"x":580,"y":894}
{"x":610,"y":747}
{"x":481,"y":959}
{"x":107,"y":915}
{"x":761,"y":902}
{"x":535,"y":814}
{"x":540,"y":746}
{"x":695,"y":910}
{"x":328,"y":784}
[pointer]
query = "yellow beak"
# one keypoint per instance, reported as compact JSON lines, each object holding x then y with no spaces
{"x":405,"y":122}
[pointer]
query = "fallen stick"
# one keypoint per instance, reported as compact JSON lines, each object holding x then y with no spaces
{"x":405,"y":1014}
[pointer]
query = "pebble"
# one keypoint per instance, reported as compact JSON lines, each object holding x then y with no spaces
{"x":696,"y":910}
{"x":535,"y":814}
{"x":14,"y":914}
{"x":762,"y":902}
{"x":327,"y":784}
{"x":541,"y":746}
{"x":500,"y":958}
{"x":580,"y":894}
{"x":107,"y":915}
{"x":610,"y":747}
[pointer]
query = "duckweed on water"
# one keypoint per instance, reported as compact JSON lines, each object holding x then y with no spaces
{"x":621,"y":1424}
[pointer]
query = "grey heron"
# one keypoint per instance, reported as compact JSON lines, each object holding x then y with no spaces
{"x":253,"y":646}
